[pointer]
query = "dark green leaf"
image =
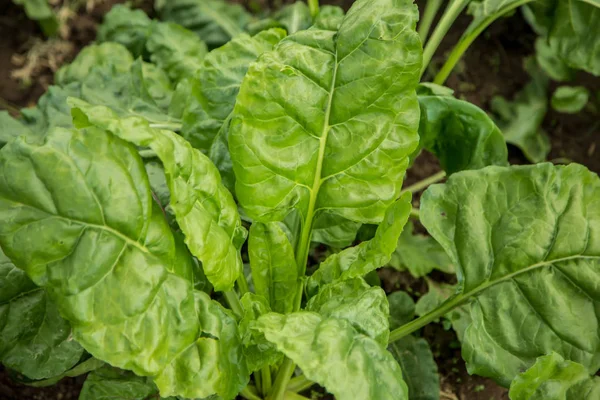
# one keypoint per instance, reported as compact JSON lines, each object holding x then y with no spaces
{"x":550,"y":62}
{"x":128,"y":27}
{"x":333,"y":230}
{"x":402,"y":309}
{"x":110,"y":383}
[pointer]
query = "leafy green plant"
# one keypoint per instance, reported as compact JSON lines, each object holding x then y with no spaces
{"x":40,"y":11}
{"x":129,"y":192}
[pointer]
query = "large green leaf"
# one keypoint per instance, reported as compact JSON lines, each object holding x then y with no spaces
{"x":419,"y":254}
{"x":359,"y":260}
{"x":125,"y":26}
{"x":331,"y":353}
{"x":11,"y":128}
{"x":526,"y":243}
{"x":203,"y":207}
{"x":418,"y":367}
{"x":34,"y":339}
{"x":327,"y":120}
{"x":521,"y":120}
{"x":214,"y":21}
{"x":207,"y":112}
{"x":460,"y":134}
{"x":554,"y":378}
{"x":353,"y":300}
{"x":108,"y":383}
{"x":274,"y":270}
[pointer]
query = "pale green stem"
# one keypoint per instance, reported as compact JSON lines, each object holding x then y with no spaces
{"x":299,"y":384}
{"x":234,"y":302}
{"x":283,"y":377}
{"x":465,"y":41}
{"x":452,"y":12}
{"x":83,"y":368}
{"x":265,"y":374}
{"x":313,"y":6}
{"x":425,"y":183}
{"x":294,"y":396}
{"x":249,"y":394}
{"x":243,"y":284}
{"x":171,"y":126}
{"x":414,"y":213}
{"x":429,"y":14}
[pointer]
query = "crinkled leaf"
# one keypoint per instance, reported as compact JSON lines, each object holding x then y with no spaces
{"x":214,"y":21}
{"x":11,"y":128}
{"x":419,"y":369}
{"x":402,"y":309}
{"x":34,"y":338}
{"x":419,"y":254}
{"x":291,"y":17}
{"x":521,"y":119}
{"x":459,"y":134}
{"x":570,"y":99}
{"x":125,"y":26}
{"x":258,"y":351}
{"x":51,"y":110}
{"x":333,"y":230}
{"x":554,"y":378}
{"x":274,"y":269}
{"x":327,"y":120}
{"x":353,"y":300}
{"x":207,"y":112}
{"x":359,"y":260}
{"x":526,"y":243}
{"x":329,"y":18}
{"x":330,"y":352}
{"x":108,"y":383}
{"x":203,"y":207}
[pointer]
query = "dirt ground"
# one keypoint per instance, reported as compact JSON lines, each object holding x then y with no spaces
{"x":492,"y":66}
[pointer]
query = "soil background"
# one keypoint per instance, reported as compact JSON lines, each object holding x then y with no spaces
{"x":492,"y":66}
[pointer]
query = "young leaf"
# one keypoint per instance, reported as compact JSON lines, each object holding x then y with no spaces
{"x":214,"y":21}
{"x":207,"y":112}
{"x":125,"y":26}
{"x":419,"y":254}
{"x":526,"y":243}
{"x":459,"y":134}
{"x":203,"y":207}
{"x":34,"y":339}
{"x":327,"y":120}
{"x":554,"y":378}
{"x":402,"y":309}
{"x":331,"y":353}
{"x":570,"y":99}
{"x":109,"y":383}
{"x":521,"y":119}
{"x":418,"y":367}
{"x":274,"y":269}
{"x":353,"y":300}
{"x":333,"y":230}
{"x":359,"y":260}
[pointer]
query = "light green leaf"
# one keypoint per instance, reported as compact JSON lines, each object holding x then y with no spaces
{"x":353,"y":300}
{"x":459,"y":134}
{"x":359,"y":260}
{"x":11,"y":128}
{"x":203,"y":207}
{"x":40,"y":10}
{"x":51,"y":111}
{"x":521,"y":120}
{"x":550,"y":62}
{"x":419,"y":254}
{"x":274,"y":270}
{"x":329,"y":18}
{"x":570,"y":99}
{"x":433,"y":89}
{"x":526,"y":243}
{"x":331,"y":353}
{"x":34,"y":339}
{"x":109,"y":383}
{"x":333,"y":230}
{"x":554,"y":378}
{"x":402,"y":309}
{"x":291,"y":17}
{"x":258,"y":351}
{"x":125,"y":26}
{"x":207,"y":112}
{"x":419,"y":369}
{"x":214,"y":21}
{"x":327,"y":120}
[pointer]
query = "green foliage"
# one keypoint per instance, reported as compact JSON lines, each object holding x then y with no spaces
{"x":40,"y":11}
{"x":570,"y":99}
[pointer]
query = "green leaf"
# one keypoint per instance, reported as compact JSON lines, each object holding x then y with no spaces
{"x":402,"y":309}
{"x":521,"y":120}
{"x":34,"y":339}
{"x":207,"y":112}
{"x":11,"y":128}
{"x":125,"y":26}
{"x":526,"y":243}
{"x":109,"y":383}
{"x":419,"y":369}
{"x":329,"y":18}
{"x":459,"y":134}
{"x":331,"y":353}
{"x":40,"y":10}
{"x":51,"y":111}
{"x":292,"y":17}
{"x":274,"y":270}
{"x":353,"y":300}
{"x":359,"y":260}
{"x":333,"y":230}
{"x":433,"y":89}
{"x":258,"y":351}
{"x":419,"y":254}
{"x":554,"y":378}
{"x":570,"y":99}
{"x":342,"y":146}
{"x":550,"y":62}
{"x":214,"y":21}
{"x":203,"y":207}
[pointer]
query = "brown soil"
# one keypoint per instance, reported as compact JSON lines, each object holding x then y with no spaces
{"x":492,"y":66}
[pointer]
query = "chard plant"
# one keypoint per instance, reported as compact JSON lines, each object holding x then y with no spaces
{"x":128,"y":193}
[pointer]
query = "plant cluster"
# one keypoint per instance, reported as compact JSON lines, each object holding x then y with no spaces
{"x":160,"y":204}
